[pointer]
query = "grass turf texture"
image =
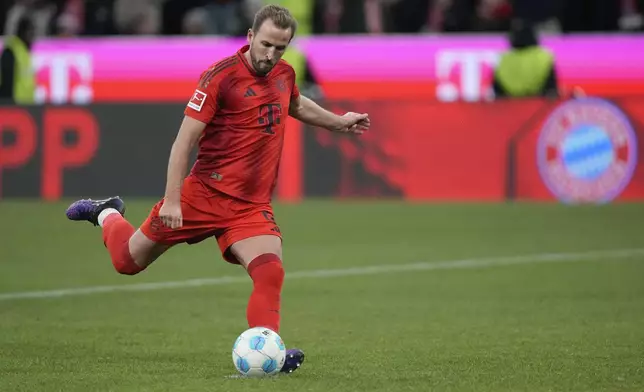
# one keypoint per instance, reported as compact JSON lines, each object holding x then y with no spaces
{"x":567,"y":326}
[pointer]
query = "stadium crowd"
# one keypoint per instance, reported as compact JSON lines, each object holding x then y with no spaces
{"x":231,"y":17}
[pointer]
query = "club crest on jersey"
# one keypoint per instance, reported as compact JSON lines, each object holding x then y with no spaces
{"x":280,"y":84}
{"x":587,"y":151}
{"x":197,"y":100}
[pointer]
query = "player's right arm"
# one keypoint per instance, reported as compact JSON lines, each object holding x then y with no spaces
{"x":309,"y":112}
{"x":198,"y":114}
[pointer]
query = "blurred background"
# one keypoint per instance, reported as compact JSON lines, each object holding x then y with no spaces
{"x":473,"y":83}
{"x":64,"y":18}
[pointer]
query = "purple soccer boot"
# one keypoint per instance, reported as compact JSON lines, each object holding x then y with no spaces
{"x":88,"y":209}
{"x":294,"y":359}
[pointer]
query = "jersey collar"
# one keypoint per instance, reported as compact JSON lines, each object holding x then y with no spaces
{"x":241,"y":55}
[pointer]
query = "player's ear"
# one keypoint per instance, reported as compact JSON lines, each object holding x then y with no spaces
{"x":249,"y":35}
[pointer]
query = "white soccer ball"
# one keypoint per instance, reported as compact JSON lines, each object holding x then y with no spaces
{"x":259,"y":352}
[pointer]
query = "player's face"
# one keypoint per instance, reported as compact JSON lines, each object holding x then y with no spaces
{"x":267,"y":46}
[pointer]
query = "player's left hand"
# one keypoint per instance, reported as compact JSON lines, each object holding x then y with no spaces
{"x":355,"y":123}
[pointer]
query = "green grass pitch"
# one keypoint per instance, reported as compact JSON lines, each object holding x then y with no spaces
{"x":570,"y":324}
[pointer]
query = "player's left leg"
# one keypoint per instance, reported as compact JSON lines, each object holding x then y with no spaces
{"x":261,"y":255}
{"x":130,"y":250}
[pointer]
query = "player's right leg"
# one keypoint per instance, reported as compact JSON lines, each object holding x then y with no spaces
{"x":260,"y":254}
{"x":253,"y":240}
{"x":130,"y":250}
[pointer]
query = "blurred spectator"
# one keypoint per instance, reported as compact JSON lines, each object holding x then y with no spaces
{"x":347,"y":17}
{"x":226,"y":17}
{"x":98,"y":17}
{"x":17,"y":81}
{"x":195,"y":22}
{"x":493,"y":15}
{"x":40,"y":12}
{"x":527,"y":69}
{"x":69,"y":19}
{"x":632,"y":18}
{"x":137,"y":16}
{"x":213,"y":17}
{"x":477,"y":15}
{"x":174,"y":13}
{"x":232,"y":17}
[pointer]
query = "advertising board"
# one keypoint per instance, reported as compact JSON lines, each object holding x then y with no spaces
{"x":441,"y":68}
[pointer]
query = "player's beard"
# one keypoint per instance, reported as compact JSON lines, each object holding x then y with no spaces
{"x":261,"y":67}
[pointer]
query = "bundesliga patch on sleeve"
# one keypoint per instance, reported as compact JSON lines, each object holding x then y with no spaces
{"x":197,"y":100}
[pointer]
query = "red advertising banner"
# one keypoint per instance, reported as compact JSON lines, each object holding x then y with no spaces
{"x":584,"y":150}
{"x":572,"y":151}
{"x":49,"y":152}
{"x":581,"y":150}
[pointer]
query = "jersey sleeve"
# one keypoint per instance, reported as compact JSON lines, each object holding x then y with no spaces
{"x":202,"y":105}
{"x":295,"y":91}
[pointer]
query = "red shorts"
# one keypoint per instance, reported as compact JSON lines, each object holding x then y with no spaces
{"x":209,"y":213}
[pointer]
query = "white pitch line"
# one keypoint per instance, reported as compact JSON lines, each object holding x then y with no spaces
{"x":484,"y":262}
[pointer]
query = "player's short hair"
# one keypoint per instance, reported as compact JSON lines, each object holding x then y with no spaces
{"x":281,"y":16}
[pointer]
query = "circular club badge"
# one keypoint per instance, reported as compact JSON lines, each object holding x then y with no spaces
{"x":587,"y":151}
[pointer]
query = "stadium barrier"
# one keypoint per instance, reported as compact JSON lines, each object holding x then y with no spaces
{"x":444,"y":68}
{"x":543,"y":150}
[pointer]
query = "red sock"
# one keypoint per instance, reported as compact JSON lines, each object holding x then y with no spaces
{"x":264,"y":304}
{"x":116,"y":237}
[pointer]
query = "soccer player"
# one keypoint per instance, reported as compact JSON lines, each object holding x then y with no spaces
{"x":237,"y":116}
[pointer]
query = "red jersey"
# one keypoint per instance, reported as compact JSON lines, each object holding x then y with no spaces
{"x":240,"y":149}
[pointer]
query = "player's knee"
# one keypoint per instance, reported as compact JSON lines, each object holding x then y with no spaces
{"x":126,"y":265}
{"x":276,"y":273}
{"x":139,"y":254}
{"x":275,"y":279}
{"x":128,"y":262}
{"x":127,"y":269}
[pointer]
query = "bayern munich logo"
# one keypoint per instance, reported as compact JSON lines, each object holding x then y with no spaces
{"x":587,"y":151}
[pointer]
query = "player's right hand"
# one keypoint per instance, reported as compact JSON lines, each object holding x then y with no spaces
{"x":170,"y":214}
{"x":355,"y":123}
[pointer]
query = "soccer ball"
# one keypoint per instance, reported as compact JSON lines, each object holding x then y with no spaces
{"x":259,"y":352}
